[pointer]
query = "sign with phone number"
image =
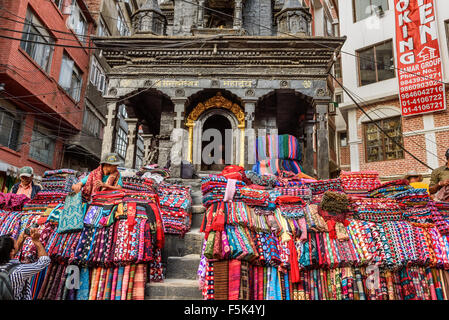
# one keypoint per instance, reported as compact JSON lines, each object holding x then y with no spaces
{"x":420,"y":77}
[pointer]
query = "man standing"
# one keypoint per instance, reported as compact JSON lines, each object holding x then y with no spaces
{"x":439,"y":180}
{"x":26,"y":185}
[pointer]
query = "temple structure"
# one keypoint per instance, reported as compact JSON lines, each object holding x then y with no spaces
{"x":191,"y":65}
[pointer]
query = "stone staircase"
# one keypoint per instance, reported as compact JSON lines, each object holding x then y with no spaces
{"x":182,"y":256}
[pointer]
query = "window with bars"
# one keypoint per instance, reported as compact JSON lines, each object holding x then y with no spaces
{"x":121,"y":142}
{"x":121,"y":23}
{"x":91,"y":123}
{"x":10,"y":129}
{"x":139,"y":158}
{"x":337,"y":68}
{"x":379,"y":147}
{"x":42,"y":145}
{"x":376,"y":63}
{"x":97,"y":76}
{"x":328,"y":25}
{"x":102,"y":29}
{"x":33,"y":32}
{"x":78,"y":22}
{"x":70,"y":77}
{"x":363,"y":9}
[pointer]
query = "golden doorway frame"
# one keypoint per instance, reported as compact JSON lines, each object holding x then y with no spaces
{"x":218,"y":101}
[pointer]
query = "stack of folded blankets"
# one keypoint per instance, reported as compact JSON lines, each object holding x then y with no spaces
{"x":116,"y":241}
{"x":440,"y":215}
{"x":176,"y":202}
{"x":214,"y":189}
{"x":412,"y":197}
{"x":139,"y":184}
{"x":376,"y":210}
{"x":56,"y":185}
{"x":12,"y":201}
{"x":319,"y":187}
{"x":291,"y":248}
{"x":389,"y":189}
{"x":359,"y":183}
{"x":276,"y":153}
{"x":154,"y":172}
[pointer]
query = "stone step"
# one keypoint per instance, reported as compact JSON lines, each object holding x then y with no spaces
{"x":197,"y":220}
{"x":198,"y":209}
{"x":183,"y":267}
{"x":173,"y":289}
{"x":193,"y":242}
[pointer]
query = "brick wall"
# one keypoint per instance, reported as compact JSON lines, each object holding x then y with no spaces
{"x":345,"y":156}
{"x":415,"y":143}
{"x":38,"y":90}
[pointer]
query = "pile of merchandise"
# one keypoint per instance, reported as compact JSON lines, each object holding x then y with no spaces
{"x":322,"y":242}
{"x":389,"y":189}
{"x":359,"y":183}
{"x":176,"y":203}
{"x":154,"y":172}
{"x":115,"y":240}
{"x":277,"y":153}
{"x":56,"y":185}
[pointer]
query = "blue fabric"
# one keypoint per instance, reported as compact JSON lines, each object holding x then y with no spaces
{"x":105,"y":178}
{"x":83,"y":292}
{"x":71,"y":218}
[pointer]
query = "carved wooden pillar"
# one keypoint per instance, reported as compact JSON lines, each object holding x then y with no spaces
{"x":238,"y":8}
{"x":201,"y":13}
{"x":108,"y":131}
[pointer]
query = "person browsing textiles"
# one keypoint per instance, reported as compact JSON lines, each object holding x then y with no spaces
{"x":105,"y":177}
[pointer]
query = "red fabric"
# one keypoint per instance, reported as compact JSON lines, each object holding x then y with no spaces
{"x":235,"y":172}
{"x":131,"y":221}
{"x":97,"y":175}
{"x":293,"y":262}
{"x":210,"y":215}
{"x":160,"y":237}
{"x":234,"y":279}
{"x":219,"y":219}
{"x":289,"y":199}
{"x":331,"y":227}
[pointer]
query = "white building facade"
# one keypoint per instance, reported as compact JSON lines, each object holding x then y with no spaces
{"x":368,"y":59}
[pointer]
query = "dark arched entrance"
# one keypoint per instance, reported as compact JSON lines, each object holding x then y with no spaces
{"x":220,"y":123}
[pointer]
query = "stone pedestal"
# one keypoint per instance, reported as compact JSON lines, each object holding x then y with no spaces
{"x":238,"y":8}
{"x":323,"y":141}
{"x":108,"y":131}
{"x":250,"y":141}
{"x":132,"y":139}
{"x":308,"y":149}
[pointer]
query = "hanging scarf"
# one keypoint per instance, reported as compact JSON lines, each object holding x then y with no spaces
{"x":97,"y":175}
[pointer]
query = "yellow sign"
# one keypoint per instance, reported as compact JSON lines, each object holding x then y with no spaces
{"x":238,"y":83}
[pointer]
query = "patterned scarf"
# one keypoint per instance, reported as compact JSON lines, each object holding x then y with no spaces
{"x":97,"y":175}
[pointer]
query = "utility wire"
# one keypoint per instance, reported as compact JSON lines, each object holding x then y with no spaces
{"x":379,"y":127}
{"x":408,"y":130}
{"x":385,"y":115}
{"x":305,"y":40}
